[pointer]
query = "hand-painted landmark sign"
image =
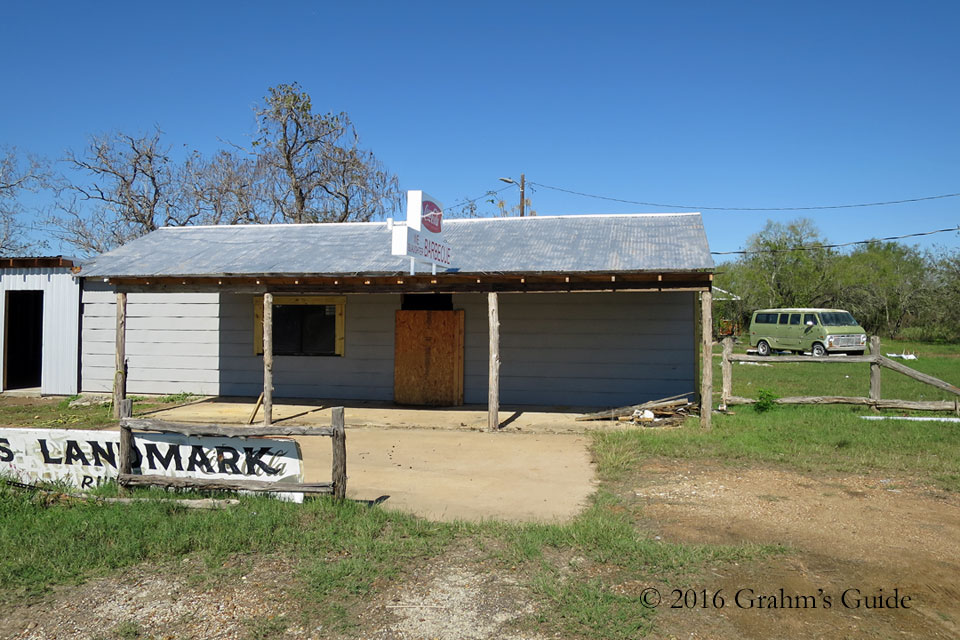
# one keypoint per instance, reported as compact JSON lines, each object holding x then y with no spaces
{"x":421,"y":238}
{"x":88,"y":458}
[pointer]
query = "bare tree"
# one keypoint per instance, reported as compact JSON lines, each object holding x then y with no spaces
{"x":19,"y":173}
{"x":319,"y":173}
{"x":226,"y":188}
{"x":131,"y":190}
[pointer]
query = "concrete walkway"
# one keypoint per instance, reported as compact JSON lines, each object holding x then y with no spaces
{"x":439,"y":464}
{"x":225,"y":410}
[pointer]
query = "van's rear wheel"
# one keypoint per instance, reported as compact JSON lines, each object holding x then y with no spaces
{"x":818,"y":350}
{"x":763,"y":348}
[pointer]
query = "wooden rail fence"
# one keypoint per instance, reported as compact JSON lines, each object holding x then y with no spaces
{"x":337,"y":487}
{"x":876,"y":360}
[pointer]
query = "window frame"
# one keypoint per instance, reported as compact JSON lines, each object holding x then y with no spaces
{"x":340,"y":302}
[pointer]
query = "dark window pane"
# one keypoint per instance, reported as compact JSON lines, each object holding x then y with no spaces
{"x":809,"y":317}
{"x":287,"y":322}
{"x":304,"y":330}
{"x":427,"y":302}
{"x":784,"y":318}
{"x":795,"y":318}
{"x":319,"y":330}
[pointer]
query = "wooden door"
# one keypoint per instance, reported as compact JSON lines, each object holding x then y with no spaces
{"x":428,"y":358}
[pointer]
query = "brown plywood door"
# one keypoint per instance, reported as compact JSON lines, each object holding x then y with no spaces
{"x":428,"y":358}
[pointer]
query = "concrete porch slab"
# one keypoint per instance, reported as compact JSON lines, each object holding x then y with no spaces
{"x":229,"y":410}
{"x":440,"y":464}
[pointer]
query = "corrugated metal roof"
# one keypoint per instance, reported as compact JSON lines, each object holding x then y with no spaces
{"x":541,"y":244}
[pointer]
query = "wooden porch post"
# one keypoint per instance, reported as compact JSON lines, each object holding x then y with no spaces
{"x":267,"y":359}
{"x":120,"y":373}
{"x":706,"y":359}
{"x":493,"y":399}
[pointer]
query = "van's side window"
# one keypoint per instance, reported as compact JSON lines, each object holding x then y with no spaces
{"x":766,"y":318}
{"x":784,"y":318}
{"x":810,"y":317}
{"x":795,"y":318}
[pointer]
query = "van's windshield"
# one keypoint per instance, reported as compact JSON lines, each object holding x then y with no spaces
{"x":837,"y":319}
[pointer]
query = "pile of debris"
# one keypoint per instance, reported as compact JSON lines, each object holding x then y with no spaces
{"x":665,"y":412}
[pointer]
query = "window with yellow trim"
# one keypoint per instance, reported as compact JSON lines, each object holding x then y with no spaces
{"x":302,"y":325}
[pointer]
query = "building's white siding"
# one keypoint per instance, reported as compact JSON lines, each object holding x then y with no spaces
{"x":172,"y":342}
{"x":61,"y":308}
{"x":582,"y":349}
{"x":557,"y":349}
{"x":365,"y":372}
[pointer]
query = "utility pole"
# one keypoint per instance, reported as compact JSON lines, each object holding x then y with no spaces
{"x":523,"y":191}
{"x":523,"y":196}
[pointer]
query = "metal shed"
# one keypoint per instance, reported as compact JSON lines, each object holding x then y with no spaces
{"x":41,"y":323}
{"x":592,"y":310}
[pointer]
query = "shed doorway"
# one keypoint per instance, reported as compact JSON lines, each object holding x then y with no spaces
{"x":428,"y":358}
{"x":23,"y":340}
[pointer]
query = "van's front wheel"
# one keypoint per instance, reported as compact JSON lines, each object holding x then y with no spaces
{"x":763,"y":348}
{"x":818,"y":350}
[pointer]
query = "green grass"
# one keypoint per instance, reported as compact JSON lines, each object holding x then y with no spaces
{"x":848,"y":379}
{"x":177,"y":398}
{"x":53,"y":413}
{"x":343,"y":552}
{"x":807,"y":438}
{"x":579,"y":599}
{"x":340,"y":549}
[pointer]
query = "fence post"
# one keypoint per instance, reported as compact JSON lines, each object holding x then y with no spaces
{"x":875,"y":370}
{"x":125,"y":463}
{"x":339,"y":470}
{"x":726,"y":370}
{"x":706,"y":357}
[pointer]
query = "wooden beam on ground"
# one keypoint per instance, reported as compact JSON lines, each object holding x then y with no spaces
{"x":120,"y":371}
{"x":493,"y":391}
{"x":267,"y":359}
{"x":213,"y":430}
{"x":204,"y":484}
{"x":609,"y":414}
{"x":926,"y":405}
{"x":339,"y":467}
{"x":916,"y":375}
{"x":706,"y":359}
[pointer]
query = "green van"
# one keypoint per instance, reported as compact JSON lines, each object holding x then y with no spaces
{"x":819,"y":331}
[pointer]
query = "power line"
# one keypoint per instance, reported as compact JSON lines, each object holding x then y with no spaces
{"x":814,"y":247}
{"x":684,"y":206}
{"x":485,"y":195}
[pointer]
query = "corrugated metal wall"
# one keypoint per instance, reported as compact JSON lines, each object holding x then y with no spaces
{"x":61,"y":308}
{"x":173,"y":341}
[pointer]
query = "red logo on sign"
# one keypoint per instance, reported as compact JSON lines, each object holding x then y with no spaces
{"x":431,"y":216}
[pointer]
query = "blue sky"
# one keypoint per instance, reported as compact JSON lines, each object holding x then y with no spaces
{"x":764,"y":104}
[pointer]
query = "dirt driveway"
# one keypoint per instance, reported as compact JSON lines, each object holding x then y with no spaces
{"x":846,"y":532}
{"x":462,"y":475}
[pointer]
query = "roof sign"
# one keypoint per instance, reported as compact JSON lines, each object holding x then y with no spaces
{"x":421,"y":238}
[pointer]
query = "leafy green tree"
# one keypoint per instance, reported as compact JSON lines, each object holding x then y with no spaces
{"x":884,"y":284}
